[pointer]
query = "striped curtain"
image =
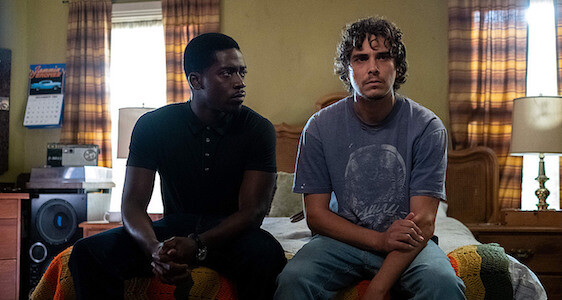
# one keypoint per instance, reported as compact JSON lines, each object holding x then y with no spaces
{"x":487,"y":69}
{"x":86,"y":109}
{"x":558,"y":15}
{"x":184,"y":20}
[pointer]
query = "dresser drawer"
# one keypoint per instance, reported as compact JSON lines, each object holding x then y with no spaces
{"x":9,"y":240}
{"x":8,"y":279}
{"x":9,"y":209}
{"x":539,"y":251}
{"x":552,"y":284}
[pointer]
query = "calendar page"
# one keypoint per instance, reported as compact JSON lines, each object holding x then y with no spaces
{"x":46,"y":96}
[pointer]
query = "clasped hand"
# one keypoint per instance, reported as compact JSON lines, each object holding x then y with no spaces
{"x":172,"y":259}
{"x":403,"y":234}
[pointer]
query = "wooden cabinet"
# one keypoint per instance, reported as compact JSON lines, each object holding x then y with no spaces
{"x":10,"y":232}
{"x":538,"y":246}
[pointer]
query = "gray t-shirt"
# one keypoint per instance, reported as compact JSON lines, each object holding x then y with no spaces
{"x":373,"y":170}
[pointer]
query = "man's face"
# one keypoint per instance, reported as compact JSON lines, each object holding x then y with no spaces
{"x":371,"y":69}
{"x":223,"y":82}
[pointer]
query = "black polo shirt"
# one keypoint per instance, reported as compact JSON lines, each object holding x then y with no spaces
{"x":201,"y":167}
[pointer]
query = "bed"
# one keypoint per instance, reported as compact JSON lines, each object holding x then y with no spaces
{"x":472,"y":185}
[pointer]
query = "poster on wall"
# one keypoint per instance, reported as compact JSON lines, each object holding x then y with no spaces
{"x":46,"y":96}
{"x":5,"y":71}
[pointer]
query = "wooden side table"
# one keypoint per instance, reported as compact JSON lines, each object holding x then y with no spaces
{"x":95,"y":227}
{"x":91,"y":228}
{"x":533,"y":238}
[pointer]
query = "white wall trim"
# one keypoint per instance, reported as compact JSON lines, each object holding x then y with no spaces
{"x":136,"y":11}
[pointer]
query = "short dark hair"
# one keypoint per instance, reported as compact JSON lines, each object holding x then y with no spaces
{"x":200,"y":52}
{"x":353,"y":36}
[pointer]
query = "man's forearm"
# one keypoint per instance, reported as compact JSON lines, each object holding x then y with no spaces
{"x":139,"y":225}
{"x":323,"y":221}
{"x":392,"y":268}
{"x":232,"y":226}
{"x":397,"y":261}
{"x":254,"y":196}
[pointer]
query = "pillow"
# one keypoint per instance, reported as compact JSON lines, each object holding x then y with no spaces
{"x":285,"y":203}
{"x":442,"y":209}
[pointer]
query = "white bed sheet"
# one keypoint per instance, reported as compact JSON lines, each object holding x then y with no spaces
{"x":451,"y":232}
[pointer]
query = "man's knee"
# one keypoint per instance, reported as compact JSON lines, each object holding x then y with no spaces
{"x":261,"y":244}
{"x":442,"y":280}
{"x":294,"y":274}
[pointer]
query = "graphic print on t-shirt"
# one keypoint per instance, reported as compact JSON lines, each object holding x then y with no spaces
{"x":375,"y":193}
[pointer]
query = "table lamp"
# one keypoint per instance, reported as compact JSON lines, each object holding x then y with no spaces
{"x":537,"y":129}
{"x":128,"y":116}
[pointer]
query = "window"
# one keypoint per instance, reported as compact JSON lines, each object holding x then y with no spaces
{"x":541,"y":80}
{"x":137,"y":76}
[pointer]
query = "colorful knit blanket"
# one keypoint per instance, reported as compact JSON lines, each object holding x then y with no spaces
{"x":57,"y":284}
{"x":483,"y":268}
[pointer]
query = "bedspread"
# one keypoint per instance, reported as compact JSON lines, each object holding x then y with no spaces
{"x":57,"y":282}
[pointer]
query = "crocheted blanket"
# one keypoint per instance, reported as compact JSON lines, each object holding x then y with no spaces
{"x":57,"y":284}
{"x":483,"y":268}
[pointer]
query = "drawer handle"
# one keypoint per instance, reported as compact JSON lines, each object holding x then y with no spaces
{"x":521,"y":253}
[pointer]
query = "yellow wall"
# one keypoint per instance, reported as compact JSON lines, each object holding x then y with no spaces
{"x":289,"y":47}
{"x":35,"y":31}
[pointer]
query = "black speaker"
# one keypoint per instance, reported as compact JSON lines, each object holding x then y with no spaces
{"x":53,"y":226}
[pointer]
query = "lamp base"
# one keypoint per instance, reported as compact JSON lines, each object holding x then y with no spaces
{"x":542,"y":192}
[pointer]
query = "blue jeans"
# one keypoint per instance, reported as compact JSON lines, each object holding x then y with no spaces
{"x":324,"y":266}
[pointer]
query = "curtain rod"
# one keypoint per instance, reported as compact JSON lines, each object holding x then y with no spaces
{"x":66,"y":1}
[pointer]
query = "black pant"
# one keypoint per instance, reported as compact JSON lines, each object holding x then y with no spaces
{"x":99,"y":264}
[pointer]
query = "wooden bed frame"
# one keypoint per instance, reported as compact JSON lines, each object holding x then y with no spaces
{"x":472,"y":182}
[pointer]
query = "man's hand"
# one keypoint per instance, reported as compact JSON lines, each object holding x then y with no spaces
{"x":171,"y":272}
{"x":402,"y":235}
{"x":297,"y":217}
{"x":171,"y":260}
{"x":177,"y":249}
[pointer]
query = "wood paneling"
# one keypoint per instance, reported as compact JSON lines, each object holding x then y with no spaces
{"x":10,"y":233}
{"x":8,"y":282}
{"x":9,"y":209}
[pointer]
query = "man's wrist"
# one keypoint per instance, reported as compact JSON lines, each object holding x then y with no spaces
{"x":153,"y":247}
{"x":201,"y":251}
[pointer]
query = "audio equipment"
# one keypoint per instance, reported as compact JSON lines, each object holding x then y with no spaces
{"x":53,"y":226}
{"x":72,"y":155}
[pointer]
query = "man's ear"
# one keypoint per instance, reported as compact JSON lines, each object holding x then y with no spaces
{"x":195,"y":81}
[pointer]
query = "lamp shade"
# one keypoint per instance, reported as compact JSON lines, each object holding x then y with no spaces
{"x":128,"y":116}
{"x":537,"y":125}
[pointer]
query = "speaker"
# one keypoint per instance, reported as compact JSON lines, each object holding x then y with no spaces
{"x":53,"y":227}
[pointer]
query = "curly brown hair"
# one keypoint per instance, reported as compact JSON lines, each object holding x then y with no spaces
{"x":353,"y":36}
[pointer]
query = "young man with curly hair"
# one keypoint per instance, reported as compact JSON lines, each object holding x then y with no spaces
{"x":384,"y":157}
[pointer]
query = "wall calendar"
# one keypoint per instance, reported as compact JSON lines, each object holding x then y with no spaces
{"x":45,"y":102}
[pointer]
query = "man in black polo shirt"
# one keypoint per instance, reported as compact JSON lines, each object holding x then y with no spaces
{"x":216,"y":160}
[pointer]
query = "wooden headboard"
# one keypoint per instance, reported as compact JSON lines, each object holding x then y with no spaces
{"x":287,"y":146}
{"x":472,"y":185}
{"x":472,"y":177}
{"x":288,"y":135}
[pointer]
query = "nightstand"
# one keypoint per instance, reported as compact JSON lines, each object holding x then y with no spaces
{"x":91,"y":228}
{"x":95,"y":227}
{"x":532,"y":237}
